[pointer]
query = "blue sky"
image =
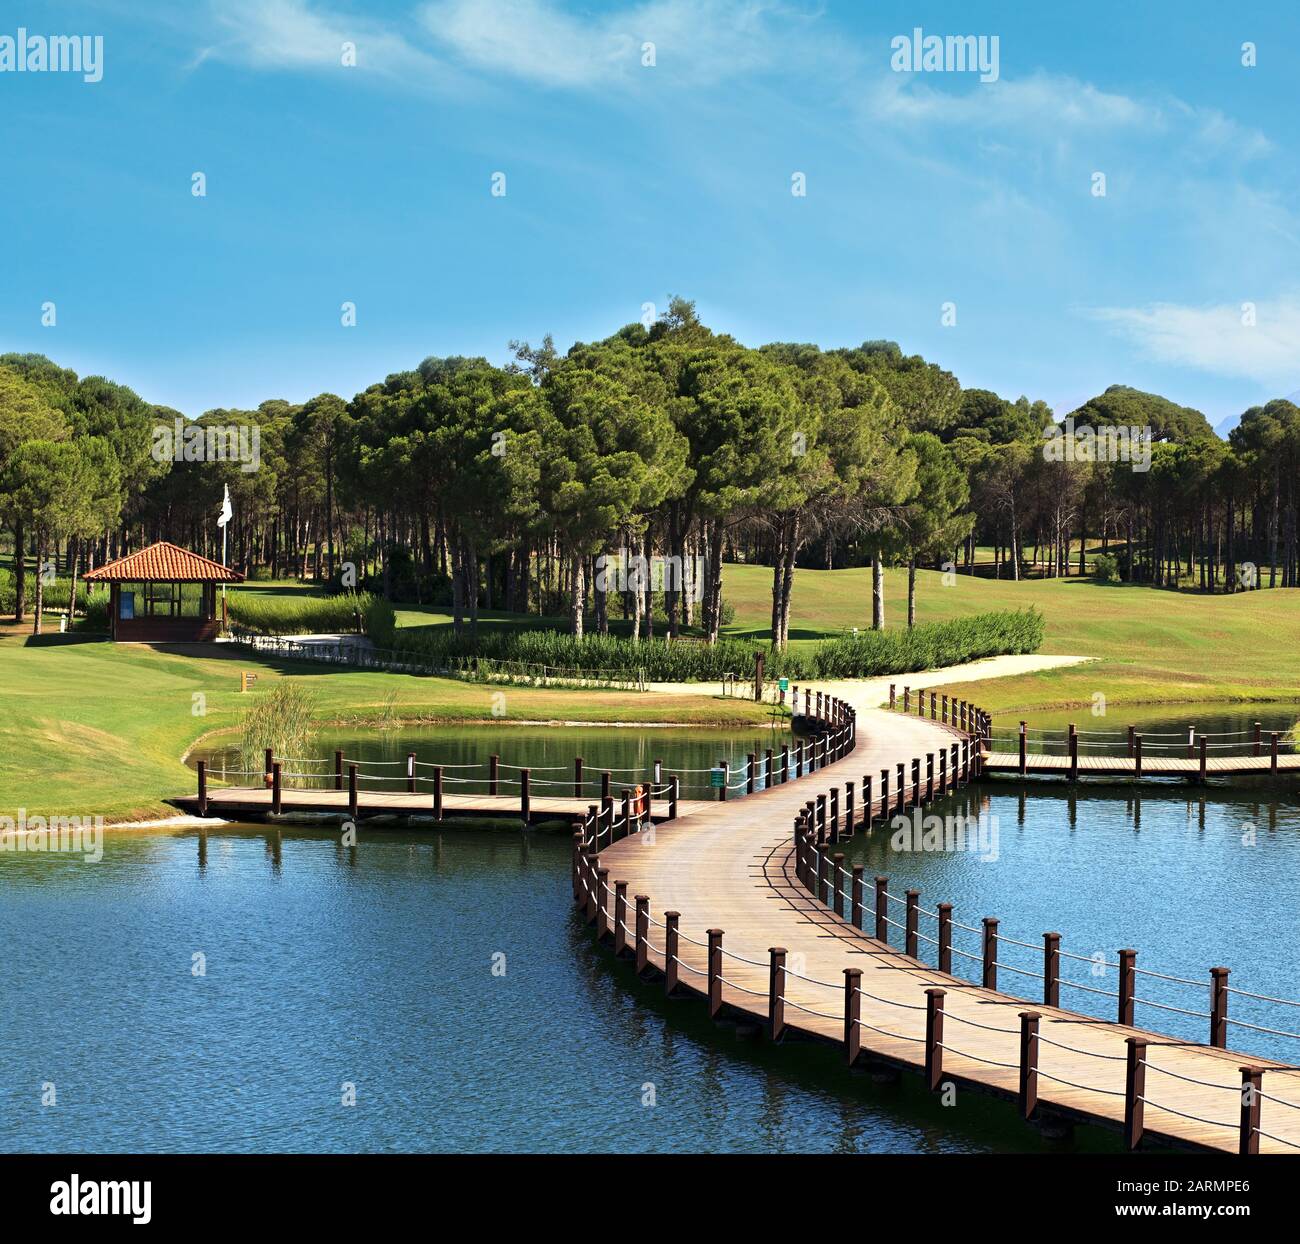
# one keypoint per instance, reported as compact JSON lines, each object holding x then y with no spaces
{"x":627,"y":183}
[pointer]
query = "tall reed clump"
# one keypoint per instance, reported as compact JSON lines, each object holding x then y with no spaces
{"x":862,"y":655}
{"x":279,"y":719}
{"x":300,"y":615}
{"x":872,"y":653}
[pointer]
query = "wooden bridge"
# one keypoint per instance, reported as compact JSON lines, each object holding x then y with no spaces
{"x":1134,"y":754}
{"x":748,"y":906}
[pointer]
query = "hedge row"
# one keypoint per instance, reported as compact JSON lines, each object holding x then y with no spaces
{"x":862,"y":655}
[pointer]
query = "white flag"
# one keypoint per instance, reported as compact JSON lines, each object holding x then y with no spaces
{"x":226,"y":511}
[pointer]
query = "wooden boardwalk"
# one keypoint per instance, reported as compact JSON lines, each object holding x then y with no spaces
{"x":1147,"y":767}
{"x":255,"y":803}
{"x":725,"y":914}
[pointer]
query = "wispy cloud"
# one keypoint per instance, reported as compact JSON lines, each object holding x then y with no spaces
{"x":701,"y":41}
{"x":296,"y":35}
{"x":1060,"y":106}
{"x":1216,"y":338}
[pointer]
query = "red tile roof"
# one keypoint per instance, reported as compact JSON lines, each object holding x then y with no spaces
{"x":163,"y":563}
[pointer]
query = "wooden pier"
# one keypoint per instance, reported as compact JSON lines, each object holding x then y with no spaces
{"x":749,"y":907}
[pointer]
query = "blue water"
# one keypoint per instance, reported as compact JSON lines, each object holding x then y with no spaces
{"x":372,"y":966}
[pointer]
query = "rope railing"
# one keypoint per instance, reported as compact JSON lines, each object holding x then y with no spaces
{"x":817,"y":829}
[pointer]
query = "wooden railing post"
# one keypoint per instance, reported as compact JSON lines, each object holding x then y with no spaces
{"x":592,"y":905}
{"x":1132,"y":736}
{"x":602,"y":907}
{"x":868,"y":809}
{"x":578,"y":841}
{"x":907,"y":699}
{"x":1074,"y":753}
{"x":577,"y":777}
{"x":1051,"y":969}
{"x":958,"y":778}
{"x":674,"y":793}
{"x":642,"y":933}
{"x":1135,"y":1087}
{"x":352,"y":791}
{"x":990,"y":954}
{"x":933,"y":1038}
{"x":769,"y":776}
{"x":945,"y":710}
{"x":268,"y":763}
{"x":525,"y":797}
{"x":1204,"y":765}
{"x":945,"y":937}
{"x":627,"y":813}
{"x":855,"y":903}
{"x":606,"y":786}
{"x":892,"y":696}
{"x":749,"y":775}
{"x":1259,"y":737}
{"x":410,"y":773}
{"x":1252,"y":1086}
{"x":912,"y":921}
{"x":670,"y":951}
{"x":277,"y":789}
{"x":785,"y":762}
{"x":338,"y":769}
{"x":902,"y":787}
{"x":852,"y":1014}
{"x":837,"y":883}
{"x":715,"y":972}
{"x":848,"y":809}
{"x":620,"y":917}
{"x":943,"y":772}
{"x":494,"y":774}
{"x":884,"y":794}
{"x":1219,"y":1008}
{"x":1127,"y":984}
{"x":1028,"y":1063}
{"x":437,"y":792}
{"x":929,"y":777}
{"x":203,"y":787}
{"x":916,"y":781}
{"x":776,"y":994}
{"x":823,"y":868}
{"x":835,"y":814}
{"x":1272,"y":752}
{"x":1024,"y":751}
{"x":882,"y":902}
{"x":1137,"y":755}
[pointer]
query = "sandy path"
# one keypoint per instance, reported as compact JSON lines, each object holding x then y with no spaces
{"x":871,"y":692}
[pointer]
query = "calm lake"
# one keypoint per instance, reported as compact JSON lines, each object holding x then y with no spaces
{"x":220,"y":990}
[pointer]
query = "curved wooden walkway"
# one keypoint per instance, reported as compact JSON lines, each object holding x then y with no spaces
{"x":720,"y":906}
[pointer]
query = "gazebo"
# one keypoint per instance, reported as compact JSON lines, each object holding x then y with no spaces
{"x":163,"y":593}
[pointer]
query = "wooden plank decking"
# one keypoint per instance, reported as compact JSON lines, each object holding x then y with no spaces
{"x":1152,"y":766}
{"x":235,"y":802}
{"x":731,"y":867}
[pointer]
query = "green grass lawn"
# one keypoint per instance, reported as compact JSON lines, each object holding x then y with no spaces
{"x":1154,"y":646}
{"x":100,"y":728}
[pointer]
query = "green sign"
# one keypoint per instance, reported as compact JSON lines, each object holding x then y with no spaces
{"x":783,"y":683}
{"x":717,"y":778}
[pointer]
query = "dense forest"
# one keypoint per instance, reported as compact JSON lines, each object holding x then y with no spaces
{"x":525,"y":487}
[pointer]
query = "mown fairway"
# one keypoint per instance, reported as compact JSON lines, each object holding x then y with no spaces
{"x":1154,"y":646}
{"x":99,"y":728}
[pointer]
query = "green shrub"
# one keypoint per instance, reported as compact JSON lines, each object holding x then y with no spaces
{"x":871,"y":653}
{"x":380,"y":621}
{"x":297,"y":615}
{"x":1105,"y":568}
{"x":95,"y":618}
{"x":862,"y":655}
